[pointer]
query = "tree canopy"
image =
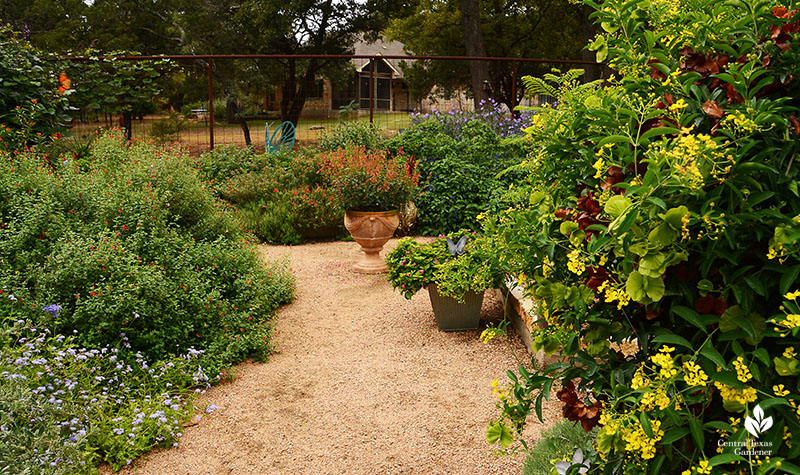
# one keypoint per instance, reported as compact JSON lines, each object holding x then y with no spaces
{"x":510,"y":28}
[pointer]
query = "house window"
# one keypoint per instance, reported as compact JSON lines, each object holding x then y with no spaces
{"x":317,"y":89}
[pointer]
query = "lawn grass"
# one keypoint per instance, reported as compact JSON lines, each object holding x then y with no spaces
{"x":308,"y":129}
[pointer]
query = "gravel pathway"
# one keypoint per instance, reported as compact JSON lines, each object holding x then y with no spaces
{"x":363,"y":384}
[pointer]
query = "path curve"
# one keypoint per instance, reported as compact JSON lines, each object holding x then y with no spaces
{"x":363,"y":384}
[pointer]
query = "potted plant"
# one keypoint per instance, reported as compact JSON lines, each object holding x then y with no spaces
{"x":455,"y":269}
{"x":371,"y":186}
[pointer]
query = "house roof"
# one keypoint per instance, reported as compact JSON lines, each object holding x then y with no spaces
{"x":378,"y":48}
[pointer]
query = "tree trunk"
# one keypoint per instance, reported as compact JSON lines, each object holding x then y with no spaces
{"x":473,"y":45}
{"x":591,"y":72}
{"x":294,"y":97}
{"x":245,"y":131}
{"x":127,"y":123}
{"x":230,"y":109}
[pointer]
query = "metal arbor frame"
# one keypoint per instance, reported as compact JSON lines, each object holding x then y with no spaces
{"x":209,"y":59}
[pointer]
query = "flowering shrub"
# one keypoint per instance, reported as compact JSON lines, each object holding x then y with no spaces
{"x":657,"y":228}
{"x":413,"y":265}
{"x":459,"y":157}
{"x":279,"y":197}
{"x":135,"y":244}
{"x":369,"y":180}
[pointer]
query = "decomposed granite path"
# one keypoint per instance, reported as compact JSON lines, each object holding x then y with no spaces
{"x":363,"y":384}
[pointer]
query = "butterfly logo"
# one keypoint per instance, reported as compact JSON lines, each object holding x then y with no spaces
{"x":456,"y":249}
{"x":757,"y":425}
{"x":577,"y":459}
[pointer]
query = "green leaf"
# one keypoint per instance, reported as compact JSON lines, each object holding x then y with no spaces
{"x":674,"y":217}
{"x":613,"y":139}
{"x":789,"y":278}
{"x":658,"y":131}
{"x":655,"y":466}
{"x":696,"y":428}
{"x":602,"y":54}
{"x":723,"y":459}
{"x":644,"y":289}
{"x":674,"y":434}
{"x":567,"y":227}
{"x":712,"y":354}
{"x":647,"y":427}
{"x":653,"y":265}
{"x":662,"y":235}
{"x":672,"y":339}
{"x":690,"y":316}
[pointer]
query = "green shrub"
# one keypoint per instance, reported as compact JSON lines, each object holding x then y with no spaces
{"x":227,"y":161}
{"x":352,"y":134}
{"x":169,"y":129}
{"x":413,"y":266}
{"x":279,"y":197}
{"x":136,"y":243}
{"x":663,"y":210}
{"x":459,"y":170}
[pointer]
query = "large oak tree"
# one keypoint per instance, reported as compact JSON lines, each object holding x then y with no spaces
{"x":508,"y":28}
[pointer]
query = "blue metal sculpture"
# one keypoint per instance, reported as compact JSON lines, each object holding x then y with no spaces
{"x":282,"y":137}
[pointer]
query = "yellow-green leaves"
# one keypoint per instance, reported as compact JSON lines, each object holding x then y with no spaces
{"x":616,"y":205}
{"x":497,"y":432}
{"x":643,"y":288}
{"x":599,"y":45}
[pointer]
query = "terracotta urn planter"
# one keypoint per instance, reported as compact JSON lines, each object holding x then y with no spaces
{"x":371,"y":230}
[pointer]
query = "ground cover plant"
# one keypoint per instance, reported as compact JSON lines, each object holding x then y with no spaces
{"x":459,"y":156}
{"x":124,"y":286}
{"x":661,"y":211}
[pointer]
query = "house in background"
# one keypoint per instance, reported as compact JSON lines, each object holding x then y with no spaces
{"x":390,"y":94}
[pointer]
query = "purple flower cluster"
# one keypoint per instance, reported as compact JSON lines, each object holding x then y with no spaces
{"x":71,"y":393}
{"x":503,"y":122}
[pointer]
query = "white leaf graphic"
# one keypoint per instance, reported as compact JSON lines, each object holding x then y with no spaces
{"x":752,"y":426}
{"x":766,"y":424}
{"x":758,"y":425}
{"x":577,"y":459}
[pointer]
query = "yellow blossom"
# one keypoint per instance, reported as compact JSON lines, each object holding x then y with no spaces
{"x":742,"y":396}
{"x":639,"y":380}
{"x":792,"y":295}
{"x":638,"y":441}
{"x":779,"y":390}
{"x":742,"y":373}
{"x":693,"y":374}
{"x":576,"y":263}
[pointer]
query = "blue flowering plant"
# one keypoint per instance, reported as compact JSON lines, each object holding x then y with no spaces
{"x":463,"y":160}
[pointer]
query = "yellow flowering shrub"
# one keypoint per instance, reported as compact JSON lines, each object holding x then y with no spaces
{"x":657,"y":223}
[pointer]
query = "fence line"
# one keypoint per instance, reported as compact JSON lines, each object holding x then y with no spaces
{"x":311,"y":132}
